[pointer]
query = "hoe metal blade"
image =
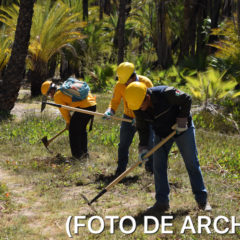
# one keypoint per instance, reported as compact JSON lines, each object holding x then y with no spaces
{"x":44,"y":101}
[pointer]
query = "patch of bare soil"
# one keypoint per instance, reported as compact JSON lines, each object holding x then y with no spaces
{"x":17,"y":189}
{"x":22,"y":109}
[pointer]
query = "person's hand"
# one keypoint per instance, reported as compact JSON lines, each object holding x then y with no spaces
{"x":108,"y":113}
{"x":134,"y":122}
{"x":181,"y":125}
{"x":67,"y":126}
{"x":141,"y":153}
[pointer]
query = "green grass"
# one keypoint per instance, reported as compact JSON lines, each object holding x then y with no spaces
{"x":42,"y":193}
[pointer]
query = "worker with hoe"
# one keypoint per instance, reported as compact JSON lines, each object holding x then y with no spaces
{"x":167,"y":108}
{"x":125,"y":75}
{"x":73,"y":93}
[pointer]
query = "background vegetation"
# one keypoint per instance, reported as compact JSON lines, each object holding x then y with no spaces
{"x":189,"y":44}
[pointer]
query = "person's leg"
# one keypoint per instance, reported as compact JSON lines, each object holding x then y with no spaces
{"x":149,"y":163}
{"x":187,"y":146}
{"x":78,"y":133}
{"x":160,"y":164}
{"x":127,"y":131}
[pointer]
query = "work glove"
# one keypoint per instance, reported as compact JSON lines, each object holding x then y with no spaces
{"x":141,"y":152}
{"x":181,"y":125}
{"x":133,"y":122}
{"x":107,"y":115}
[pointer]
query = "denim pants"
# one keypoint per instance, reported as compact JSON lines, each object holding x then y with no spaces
{"x":127,"y":132}
{"x":187,"y":147}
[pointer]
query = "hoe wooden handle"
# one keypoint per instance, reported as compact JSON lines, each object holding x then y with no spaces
{"x":148,"y":154}
{"x":120,"y":177}
{"x":51,"y":139}
{"x":86,"y":111}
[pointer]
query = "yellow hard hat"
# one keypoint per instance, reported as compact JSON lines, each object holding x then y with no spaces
{"x":134,"y":94}
{"x":124,"y":71}
{"x":45,"y":87}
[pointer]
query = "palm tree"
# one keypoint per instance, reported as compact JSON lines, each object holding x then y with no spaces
{"x":15,"y":70}
{"x":5,"y":50}
{"x":54,"y":27}
{"x":209,"y":87}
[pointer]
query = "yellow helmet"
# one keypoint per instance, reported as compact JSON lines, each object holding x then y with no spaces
{"x":45,"y":87}
{"x":134,"y":94}
{"x":124,"y":71}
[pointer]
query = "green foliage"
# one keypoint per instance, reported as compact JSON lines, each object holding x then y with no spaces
{"x":53,"y":27}
{"x":5,"y":50}
{"x":98,"y":47}
{"x":8,"y":2}
{"x":76,"y":5}
{"x":3,"y":190}
{"x":211,"y":122}
{"x":174,"y":76}
{"x":7,"y":16}
{"x":44,"y":186}
{"x":101,"y":77}
{"x":210,"y":86}
{"x":5,"y":198}
{"x":29,"y":131}
{"x":227,"y":55}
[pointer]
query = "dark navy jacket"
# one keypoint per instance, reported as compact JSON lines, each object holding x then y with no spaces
{"x":168,"y":104}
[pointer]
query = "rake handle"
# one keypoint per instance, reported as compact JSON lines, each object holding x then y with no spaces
{"x":120,"y":177}
{"x":86,"y":111}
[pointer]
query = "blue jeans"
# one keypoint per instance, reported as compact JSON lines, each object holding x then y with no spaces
{"x":187,"y":147}
{"x":127,"y":132}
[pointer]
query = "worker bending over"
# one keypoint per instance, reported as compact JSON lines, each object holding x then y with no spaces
{"x":165,"y":107}
{"x":77,"y":94}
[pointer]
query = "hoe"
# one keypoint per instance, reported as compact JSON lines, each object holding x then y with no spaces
{"x":120,"y":177}
{"x":46,"y":142}
{"x":44,"y":102}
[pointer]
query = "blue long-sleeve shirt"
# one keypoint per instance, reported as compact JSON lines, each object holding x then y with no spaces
{"x":167,"y":104}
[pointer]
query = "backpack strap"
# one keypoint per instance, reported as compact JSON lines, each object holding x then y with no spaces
{"x":91,"y":123}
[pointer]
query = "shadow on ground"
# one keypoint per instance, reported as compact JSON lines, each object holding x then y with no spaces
{"x":101,"y":178}
{"x":139,"y":218}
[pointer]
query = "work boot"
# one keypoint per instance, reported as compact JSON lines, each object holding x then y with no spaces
{"x":84,"y":155}
{"x":157,"y":208}
{"x":205,"y":207}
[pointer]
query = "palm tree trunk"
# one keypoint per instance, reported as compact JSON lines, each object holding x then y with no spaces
{"x":238,"y":17}
{"x":101,"y":9}
{"x":85,"y":9}
{"x":121,"y":30}
{"x":16,"y":66}
{"x":188,"y":33}
{"x":162,"y":46}
{"x":227,"y":8}
{"x":201,"y":44}
{"x":108,"y":7}
{"x":214,"y":9}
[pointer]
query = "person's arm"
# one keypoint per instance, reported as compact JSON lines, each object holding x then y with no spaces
{"x":142,"y":127}
{"x":59,"y":98}
{"x":116,"y":98}
{"x":179,"y":98}
{"x":184,"y":101}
